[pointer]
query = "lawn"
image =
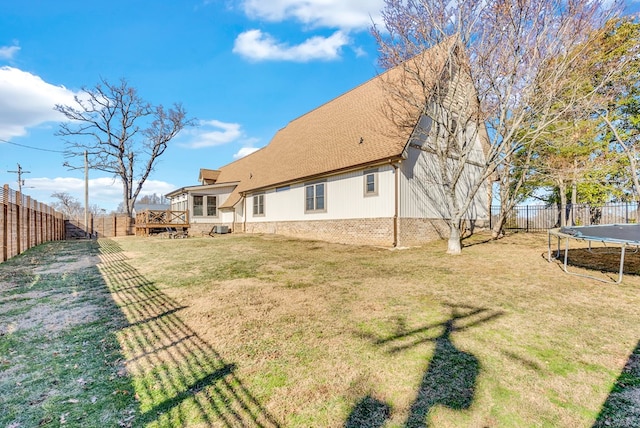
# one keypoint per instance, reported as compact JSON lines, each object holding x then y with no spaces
{"x":269,"y":331}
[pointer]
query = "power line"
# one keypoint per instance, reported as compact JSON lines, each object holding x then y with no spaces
{"x":31,"y":147}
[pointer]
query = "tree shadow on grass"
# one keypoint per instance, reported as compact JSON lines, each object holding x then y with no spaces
{"x":622,"y":407}
{"x":178,"y":377}
{"x":451,"y":374}
{"x":369,"y":412}
{"x":602,"y":259}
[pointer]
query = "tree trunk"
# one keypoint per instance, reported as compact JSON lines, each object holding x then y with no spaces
{"x":455,"y":245}
{"x":496,"y":230}
{"x":562,"y":189}
{"x":574,"y":202}
{"x":125,"y":197}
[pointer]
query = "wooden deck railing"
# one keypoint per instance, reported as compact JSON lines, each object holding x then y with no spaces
{"x":151,"y":221}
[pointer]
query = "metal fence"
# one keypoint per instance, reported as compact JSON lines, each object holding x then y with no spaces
{"x":25,"y":223}
{"x":540,"y":218}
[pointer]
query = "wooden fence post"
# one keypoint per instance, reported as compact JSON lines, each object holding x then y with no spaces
{"x":5,"y":223}
{"x":41,"y":228}
{"x":28,"y":214}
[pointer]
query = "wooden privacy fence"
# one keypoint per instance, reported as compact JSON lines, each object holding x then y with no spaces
{"x":25,"y":223}
{"x":100,"y":226}
{"x":540,"y":218}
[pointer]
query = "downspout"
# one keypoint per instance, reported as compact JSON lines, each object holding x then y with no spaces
{"x":397,"y":204}
{"x":244,"y":213}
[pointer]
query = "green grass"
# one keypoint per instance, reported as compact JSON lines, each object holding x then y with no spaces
{"x":270,"y":331}
{"x":55,"y":370}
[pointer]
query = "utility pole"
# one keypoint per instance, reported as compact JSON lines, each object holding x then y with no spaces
{"x":20,"y":171}
{"x":86,"y":194}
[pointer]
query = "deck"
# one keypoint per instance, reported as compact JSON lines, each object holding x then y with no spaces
{"x":151,"y":222}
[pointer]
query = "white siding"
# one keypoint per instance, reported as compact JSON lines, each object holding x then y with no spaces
{"x":239,"y":212}
{"x":179,"y":202}
{"x":222,"y":193}
{"x":423,"y":196}
{"x":344,"y":199}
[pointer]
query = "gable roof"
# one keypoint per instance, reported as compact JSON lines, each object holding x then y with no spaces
{"x":352,"y":130}
{"x":208,"y":176}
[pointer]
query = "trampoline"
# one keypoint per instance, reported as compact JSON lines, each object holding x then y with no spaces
{"x":622,"y":235}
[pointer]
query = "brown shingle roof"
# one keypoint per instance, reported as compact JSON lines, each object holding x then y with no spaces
{"x":351,"y":130}
{"x":208,"y":176}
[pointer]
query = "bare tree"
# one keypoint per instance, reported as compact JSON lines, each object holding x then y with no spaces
{"x":67,"y":205}
{"x":123,"y":134}
{"x":71,"y":207}
{"x":503,"y":55}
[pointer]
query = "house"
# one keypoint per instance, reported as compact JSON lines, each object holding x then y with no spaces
{"x":344,"y":172}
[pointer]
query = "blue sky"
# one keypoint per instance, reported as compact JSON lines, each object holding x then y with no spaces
{"x":243,"y":68}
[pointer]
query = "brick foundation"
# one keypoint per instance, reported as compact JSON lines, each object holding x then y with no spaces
{"x":370,"y":231}
{"x":417,"y":231}
{"x":199,"y":229}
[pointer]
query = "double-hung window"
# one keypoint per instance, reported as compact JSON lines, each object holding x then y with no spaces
{"x":315,"y":195}
{"x":371,"y":182}
{"x":200,"y":202}
{"x":258,"y":205}
{"x":212,"y":206}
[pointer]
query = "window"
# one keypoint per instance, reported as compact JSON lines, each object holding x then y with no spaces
{"x":315,"y":197}
{"x":258,"y":204}
{"x":197,"y":205}
{"x":453,"y":127}
{"x":283,"y":188}
{"x":212,"y":206}
{"x":371,"y":182}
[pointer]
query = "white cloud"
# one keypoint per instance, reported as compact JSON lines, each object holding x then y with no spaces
{"x":8,"y":52}
{"x":245,"y":151}
{"x":344,"y":14}
{"x":258,"y":46}
{"x":106,"y":192}
{"x":156,"y":186}
{"x":26,"y":101}
{"x":211,"y":133}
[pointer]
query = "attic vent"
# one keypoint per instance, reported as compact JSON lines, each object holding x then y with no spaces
{"x":361,"y":140}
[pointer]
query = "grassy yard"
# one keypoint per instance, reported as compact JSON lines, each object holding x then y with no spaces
{"x":269,"y":331}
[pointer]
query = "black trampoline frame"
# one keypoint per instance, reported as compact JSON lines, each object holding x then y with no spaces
{"x":595,"y":234}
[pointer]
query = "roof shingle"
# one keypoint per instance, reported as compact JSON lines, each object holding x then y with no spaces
{"x":351,"y":130}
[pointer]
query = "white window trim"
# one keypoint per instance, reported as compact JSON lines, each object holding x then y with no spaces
{"x":315,"y":197}
{"x":193,"y":205}
{"x":256,"y":197}
{"x":365,"y":174}
{"x":207,"y":206}
{"x":205,"y":201}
